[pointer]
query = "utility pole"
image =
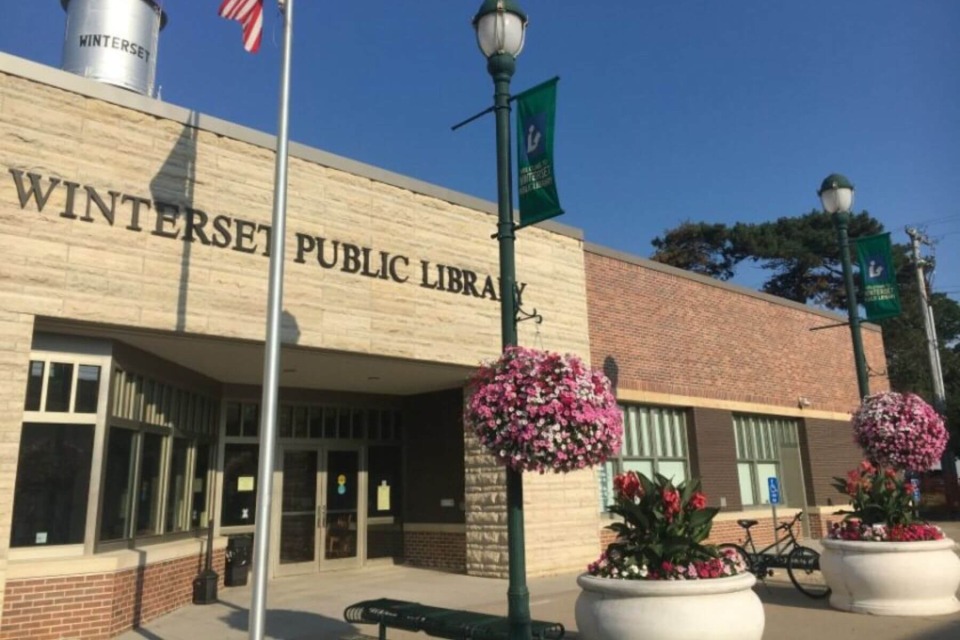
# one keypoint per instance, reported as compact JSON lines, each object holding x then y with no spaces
{"x":947,"y":461}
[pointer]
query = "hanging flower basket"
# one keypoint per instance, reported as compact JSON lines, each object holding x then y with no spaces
{"x":542,"y":411}
{"x":900,"y":431}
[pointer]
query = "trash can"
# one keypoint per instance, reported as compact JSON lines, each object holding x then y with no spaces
{"x":239,"y":555}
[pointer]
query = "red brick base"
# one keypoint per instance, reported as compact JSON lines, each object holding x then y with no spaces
{"x":436,"y":550}
{"x":99,"y":606}
{"x":730,"y":531}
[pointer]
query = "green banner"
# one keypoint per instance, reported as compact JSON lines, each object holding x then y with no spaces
{"x":536,"y":114}
{"x":881,"y":296}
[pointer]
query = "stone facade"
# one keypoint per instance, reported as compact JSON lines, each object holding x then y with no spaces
{"x":183,"y":190}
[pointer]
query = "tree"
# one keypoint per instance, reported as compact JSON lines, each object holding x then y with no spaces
{"x":803,"y":259}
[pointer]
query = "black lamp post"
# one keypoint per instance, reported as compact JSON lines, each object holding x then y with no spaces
{"x":501,"y":27}
{"x":836,"y":194}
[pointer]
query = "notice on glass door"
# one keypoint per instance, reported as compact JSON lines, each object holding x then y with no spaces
{"x":244,"y":484}
{"x":383,"y":496}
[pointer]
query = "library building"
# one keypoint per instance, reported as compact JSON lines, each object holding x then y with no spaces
{"x":133,"y":292}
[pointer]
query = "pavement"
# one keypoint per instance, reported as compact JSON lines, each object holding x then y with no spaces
{"x":311,"y":607}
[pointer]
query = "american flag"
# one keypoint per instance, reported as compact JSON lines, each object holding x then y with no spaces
{"x":249,"y":13}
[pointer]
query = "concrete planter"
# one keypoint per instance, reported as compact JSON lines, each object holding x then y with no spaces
{"x":718,"y":608}
{"x":892,"y":578}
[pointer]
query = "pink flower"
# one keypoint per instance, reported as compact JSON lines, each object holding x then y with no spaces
{"x":900,"y":430}
{"x":537,"y":410}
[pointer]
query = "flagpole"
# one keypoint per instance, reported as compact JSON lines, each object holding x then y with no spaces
{"x":271,"y":361}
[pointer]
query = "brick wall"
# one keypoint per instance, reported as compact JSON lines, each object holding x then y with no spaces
{"x":99,"y":606}
{"x":762,"y":532}
{"x":828,"y":451}
{"x":436,"y":550}
{"x":729,"y":531}
{"x":713,"y":456}
{"x":666,"y":330}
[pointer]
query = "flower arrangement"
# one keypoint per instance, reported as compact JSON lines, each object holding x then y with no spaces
{"x":857,"y":531}
{"x":542,"y":411}
{"x":662,"y":533}
{"x":882,"y":500}
{"x":900,"y":431}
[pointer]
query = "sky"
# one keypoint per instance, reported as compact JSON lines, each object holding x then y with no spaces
{"x":668,"y":110}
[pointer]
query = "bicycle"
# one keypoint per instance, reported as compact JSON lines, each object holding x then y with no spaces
{"x":800,"y":562}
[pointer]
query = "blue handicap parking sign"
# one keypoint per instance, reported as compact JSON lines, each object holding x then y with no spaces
{"x":774,"y":486}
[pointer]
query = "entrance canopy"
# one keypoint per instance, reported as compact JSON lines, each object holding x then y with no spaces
{"x":241,"y":362}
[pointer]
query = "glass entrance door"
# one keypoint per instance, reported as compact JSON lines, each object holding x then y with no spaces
{"x":299,"y":513}
{"x":341,"y":530}
{"x":320,"y":520}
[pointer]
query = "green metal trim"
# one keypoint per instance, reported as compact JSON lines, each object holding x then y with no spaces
{"x":835,"y":181}
{"x":841,"y":219}
{"x":507,"y":6}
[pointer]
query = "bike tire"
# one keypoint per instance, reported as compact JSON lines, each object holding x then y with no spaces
{"x":803,"y":563}
{"x":740,"y":551}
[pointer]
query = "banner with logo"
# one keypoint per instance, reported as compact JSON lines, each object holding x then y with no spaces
{"x":881,"y":295}
{"x":536,"y":112}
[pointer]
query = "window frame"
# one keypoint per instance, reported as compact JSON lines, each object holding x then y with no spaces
{"x":150,"y":404}
{"x":77,"y":351}
{"x":757,"y":440}
{"x":324,"y":422}
{"x":652,"y":440}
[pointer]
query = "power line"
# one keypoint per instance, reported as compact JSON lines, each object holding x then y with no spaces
{"x":924,"y":223}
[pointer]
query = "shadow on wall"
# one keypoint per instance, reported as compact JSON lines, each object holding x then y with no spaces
{"x":289,"y":329}
{"x":172,"y":190}
{"x":612,"y":370}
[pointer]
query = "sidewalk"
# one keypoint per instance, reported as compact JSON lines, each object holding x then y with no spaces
{"x":311,"y":607}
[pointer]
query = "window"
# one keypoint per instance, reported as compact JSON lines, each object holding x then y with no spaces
{"x":764,"y":443}
{"x":56,"y":450}
{"x":157,"y":459}
{"x":148,"y":494}
{"x":199,"y":516}
{"x":115,"y":509}
{"x":61,"y":392}
{"x":88,"y":388}
{"x":383,"y":481}
{"x":301,"y":421}
{"x":239,"y":484}
{"x":53,"y":478}
{"x":59,"y":385}
{"x":34,"y":385}
{"x":654,"y":441}
{"x":178,"y":500}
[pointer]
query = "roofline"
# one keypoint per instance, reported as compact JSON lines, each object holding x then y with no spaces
{"x":590,"y":247}
{"x":67,"y":81}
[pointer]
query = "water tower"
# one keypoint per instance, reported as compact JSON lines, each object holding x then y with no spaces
{"x":114,"y":41}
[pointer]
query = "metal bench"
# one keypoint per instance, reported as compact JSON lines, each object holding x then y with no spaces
{"x":452,"y":624}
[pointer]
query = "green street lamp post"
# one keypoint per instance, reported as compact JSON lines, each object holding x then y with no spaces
{"x":836,"y":194}
{"x":501,"y":27}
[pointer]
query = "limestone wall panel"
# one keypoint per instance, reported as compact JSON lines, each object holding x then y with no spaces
{"x":80,"y":266}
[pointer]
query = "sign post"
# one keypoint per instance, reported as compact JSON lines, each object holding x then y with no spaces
{"x":773,"y":486}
